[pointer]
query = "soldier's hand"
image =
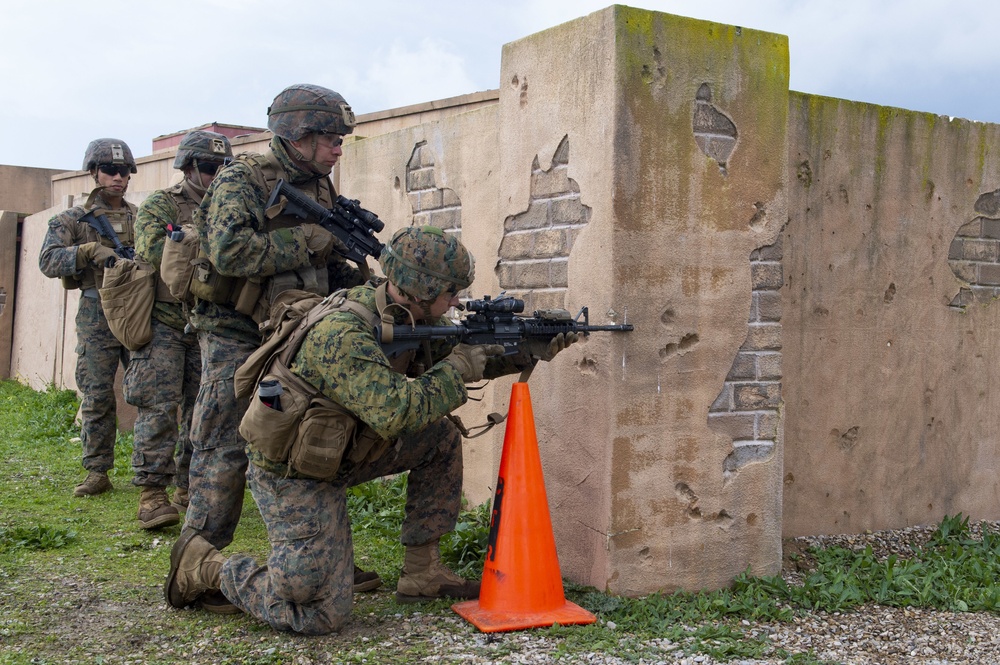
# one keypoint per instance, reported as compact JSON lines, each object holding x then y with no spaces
{"x":319,"y":241}
{"x":546,"y":351}
{"x":470,"y":359}
{"x":93,"y":252}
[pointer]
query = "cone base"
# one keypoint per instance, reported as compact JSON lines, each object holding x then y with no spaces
{"x":494,"y":621}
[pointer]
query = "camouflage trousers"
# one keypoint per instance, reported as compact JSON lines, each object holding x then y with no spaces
{"x":98,"y":354}
{"x":217,"y":479}
{"x":162,"y":379}
{"x":307,"y":584}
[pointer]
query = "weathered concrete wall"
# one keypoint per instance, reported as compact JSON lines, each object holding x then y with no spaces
{"x":25,"y":190}
{"x":890,"y":385}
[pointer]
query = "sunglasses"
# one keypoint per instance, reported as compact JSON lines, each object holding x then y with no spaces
{"x":211,"y":168}
{"x":114,"y":169}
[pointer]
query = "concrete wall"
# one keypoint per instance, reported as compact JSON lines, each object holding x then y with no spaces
{"x":24,"y":189}
{"x":890,"y":329}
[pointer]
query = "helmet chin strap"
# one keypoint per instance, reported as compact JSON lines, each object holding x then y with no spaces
{"x":314,"y":166}
{"x":197,"y":185}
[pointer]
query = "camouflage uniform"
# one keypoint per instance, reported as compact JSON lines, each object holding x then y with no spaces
{"x":98,"y":351}
{"x":306,"y":584}
{"x":234,"y":235}
{"x":163,"y":376}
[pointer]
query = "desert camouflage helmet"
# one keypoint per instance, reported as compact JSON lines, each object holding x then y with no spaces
{"x":203,"y":146}
{"x":302,"y":109}
{"x":423,"y":261}
{"x":108,"y":151}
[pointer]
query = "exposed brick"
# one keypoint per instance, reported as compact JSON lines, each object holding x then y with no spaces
{"x":769,"y":253}
{"x":733,"y":425}
{"x":989,"y":274}
{"x":533,"y":275}
{"x":767,"y":425}
{"x":420,"y":179}
{"x":743,"y":455}
{"x":744,"y":367}
{"x":763,"y":337}
{"x":768,"y":305}
{"x":421,"y":219}
{"x":546,"y":184}
{"x":963,"y":299}
{"x":505,"y":275}
{"x":753,"y":396}
{"x":548,"y":243}
{"x":559,"y":274}
{"x":568,"y":211}
{"x":562,"y":152}
{"x":450,"y":198}
{"x":973,"y":229}
{"x":450,"y":218}
{"x":956,"y":250}
{"x":991,"y":228}
{"x":769,"y":366}
{"x":765,"y":276}
{"x":724,"y":402}
{"x":516,"y":246}
{"x":535,"y":217}
{"x":548,"y":299}
{"x":981,"y":250}
{"x":966,"y":270}
{"x":430,"y":199}
{"x":414,"y":198}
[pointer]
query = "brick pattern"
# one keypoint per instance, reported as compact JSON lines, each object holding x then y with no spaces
{"x":748,"y":408}
{"x":974,"y":254}
{"x":534,"y":253}
{"x":431,"y":205}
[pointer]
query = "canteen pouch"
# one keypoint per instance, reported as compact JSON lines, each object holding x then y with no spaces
{"x":324,"y":434}
{"x":127,"y":299}
{"x":177,"y":264}
{"x":269,"y":431}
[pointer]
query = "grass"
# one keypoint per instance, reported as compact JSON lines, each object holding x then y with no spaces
{"x":79,"y":582}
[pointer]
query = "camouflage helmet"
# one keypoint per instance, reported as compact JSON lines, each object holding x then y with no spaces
{"x":203,"y":146}
{"x":423,"y":261}
{"x":303,"y":109}
{"x":108,"y":151}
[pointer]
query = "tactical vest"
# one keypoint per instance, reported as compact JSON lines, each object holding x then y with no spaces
{"x":185,"y":201}
{"x":252,"y":296}
{"x":309,"y":432}
{"x":122,"y":223}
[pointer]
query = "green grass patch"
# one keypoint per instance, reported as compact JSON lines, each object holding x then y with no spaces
{"x":53,"y":544}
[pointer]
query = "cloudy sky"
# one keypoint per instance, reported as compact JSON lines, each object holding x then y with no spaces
{"x":71,"y":71}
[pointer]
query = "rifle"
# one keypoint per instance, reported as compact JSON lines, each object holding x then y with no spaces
{"x":100,"y":223}
{"x":347,"y":220}
{"x":494,"y":322}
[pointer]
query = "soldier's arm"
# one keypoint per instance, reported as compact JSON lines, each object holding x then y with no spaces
{"x":58,"y":255}
{"x":341,"y":358}
{"x":155,"y":213}
{"x":231,"y":224}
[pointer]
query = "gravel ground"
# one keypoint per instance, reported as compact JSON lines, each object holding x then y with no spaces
{"x":78,"y":614}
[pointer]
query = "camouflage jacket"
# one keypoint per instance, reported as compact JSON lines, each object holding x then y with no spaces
{"x":163,"y":207}
{"x":342,"y":359}
{"x":66,"y":232}
{"x":233,"y":231}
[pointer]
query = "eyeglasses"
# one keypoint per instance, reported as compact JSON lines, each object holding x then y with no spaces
{"x":208,"y":168}
{"x":330,"y":140}
{"x":115,"y":169}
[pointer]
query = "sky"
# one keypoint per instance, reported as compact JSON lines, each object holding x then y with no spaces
{"x":72,"y":71}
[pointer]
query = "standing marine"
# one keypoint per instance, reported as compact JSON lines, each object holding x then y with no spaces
{"x":163,"y":376}
{"x":252,"y":253}
{"x":75,"y":253}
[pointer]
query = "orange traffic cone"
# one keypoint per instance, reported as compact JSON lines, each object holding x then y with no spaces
{"x":521,"y":586}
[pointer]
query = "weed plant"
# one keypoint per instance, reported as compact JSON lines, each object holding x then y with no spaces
{"x":48,"y":537}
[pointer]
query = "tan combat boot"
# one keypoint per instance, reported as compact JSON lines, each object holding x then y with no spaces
{"x":194,"y":570}
{"x":424,"y":577}
{"x":180,"y":499}
{"x":97,"y":482}
{"x":155,"y":511}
